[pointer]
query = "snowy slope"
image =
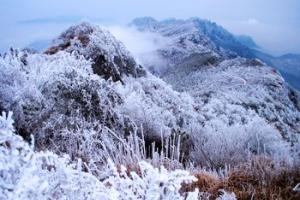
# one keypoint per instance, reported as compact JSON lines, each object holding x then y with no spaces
{"x":182,"y":39}
{"x":238,"y":91}
{"x":196,"y":35}
{"x":230,"y":92}
{"x":185,"y":34}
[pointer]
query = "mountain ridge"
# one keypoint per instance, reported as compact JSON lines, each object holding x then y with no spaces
{"x":225,"y":40}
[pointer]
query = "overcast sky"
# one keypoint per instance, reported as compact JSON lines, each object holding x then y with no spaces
{"x":274,"y":24}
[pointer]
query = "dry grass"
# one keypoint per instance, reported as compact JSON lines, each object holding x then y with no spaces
{"x":206,"y":182}
{"x":259,"y":179}
{"x":263,"y":180}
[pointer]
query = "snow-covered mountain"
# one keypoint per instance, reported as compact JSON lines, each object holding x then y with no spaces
{"x":88,"y":77}
{"x":241,"y":45}
{"x":229,"y":90}
{"x":201,"y":31}
{"x":87,"y":97}
{"x":204,"y":35}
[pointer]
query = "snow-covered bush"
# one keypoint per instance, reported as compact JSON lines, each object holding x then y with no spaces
{"x":243,"y":102}
{"x":69,"y":109}
{"x":221,"y":144}
{"x":159,"y":110}
{"x":25,"y":174}
{"x":51,"y":93}
{"x":149,"y":182}
{"x":29,"y":175}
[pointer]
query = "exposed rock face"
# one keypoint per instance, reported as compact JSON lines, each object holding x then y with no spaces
{"x":109,"y":56}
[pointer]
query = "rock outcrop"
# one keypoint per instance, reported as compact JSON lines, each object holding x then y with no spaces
{"x":110,"y":59}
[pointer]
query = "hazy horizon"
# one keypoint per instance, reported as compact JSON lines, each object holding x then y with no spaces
{"x":277,"y":32}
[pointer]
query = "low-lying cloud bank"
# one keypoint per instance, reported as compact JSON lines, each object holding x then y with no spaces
{"x":142,"y":45}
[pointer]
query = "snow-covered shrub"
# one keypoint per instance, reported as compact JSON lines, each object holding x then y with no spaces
{"x":221,"y":144}
{"x":51,"y":93}
{"x":69,"y":109}
{"x":149,"y":182}
{"x":156,"y":106}
{"x":13,"y":156}
{"x":25,"y":174}
{"x":159,"y":110}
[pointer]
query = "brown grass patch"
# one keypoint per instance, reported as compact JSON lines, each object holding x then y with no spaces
{"x":259,"y":179}
{"x":263,"y":180}
{"x":206,"y":182}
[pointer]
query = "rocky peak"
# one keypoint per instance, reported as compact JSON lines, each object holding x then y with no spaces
{"x":109,"y":56}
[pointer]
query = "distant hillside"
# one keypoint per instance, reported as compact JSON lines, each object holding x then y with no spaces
{"x":247,"y":41}
{"x":223,"y":41}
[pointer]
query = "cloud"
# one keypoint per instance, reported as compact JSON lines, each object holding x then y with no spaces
{"x":137,"y":42}
{"x":142,"y":45}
